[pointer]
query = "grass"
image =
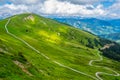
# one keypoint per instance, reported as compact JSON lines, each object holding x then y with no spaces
{"x":60,"y":42}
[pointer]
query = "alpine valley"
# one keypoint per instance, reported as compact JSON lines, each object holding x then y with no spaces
{"x":109,"y":29}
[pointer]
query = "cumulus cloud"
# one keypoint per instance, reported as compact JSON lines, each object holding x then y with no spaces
{"x":15,"y":7}
{"x":86,"y":8}
{"x":67,"y":8}
{"x":11,"y":9}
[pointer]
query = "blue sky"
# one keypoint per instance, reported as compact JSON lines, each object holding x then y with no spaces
{"x":108,"y":3}
{"x":85,"y":8}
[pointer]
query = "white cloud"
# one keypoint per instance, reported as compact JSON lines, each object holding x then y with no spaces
{"x":61,"y":7}
{"x":15,"y":7}
{"x":67,"y":8}
{"x":12,"y":9}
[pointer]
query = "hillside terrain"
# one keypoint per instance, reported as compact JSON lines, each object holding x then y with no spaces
{"x":37,"y":48}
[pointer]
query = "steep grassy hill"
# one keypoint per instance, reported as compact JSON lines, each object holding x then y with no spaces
{"x":37,"y":48}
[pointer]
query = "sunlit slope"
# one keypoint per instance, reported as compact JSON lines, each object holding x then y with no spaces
{"x":69,"y":46}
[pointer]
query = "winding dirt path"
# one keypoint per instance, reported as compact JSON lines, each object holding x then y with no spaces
{"x":98,"y":73}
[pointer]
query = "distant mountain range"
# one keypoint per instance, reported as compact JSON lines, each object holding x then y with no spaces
{"x":102,"y":28}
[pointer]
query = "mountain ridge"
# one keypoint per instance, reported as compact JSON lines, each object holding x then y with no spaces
{"x":93,"y":25}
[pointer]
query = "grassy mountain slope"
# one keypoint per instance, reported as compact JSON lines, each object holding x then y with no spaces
{"x":67,"y":45}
